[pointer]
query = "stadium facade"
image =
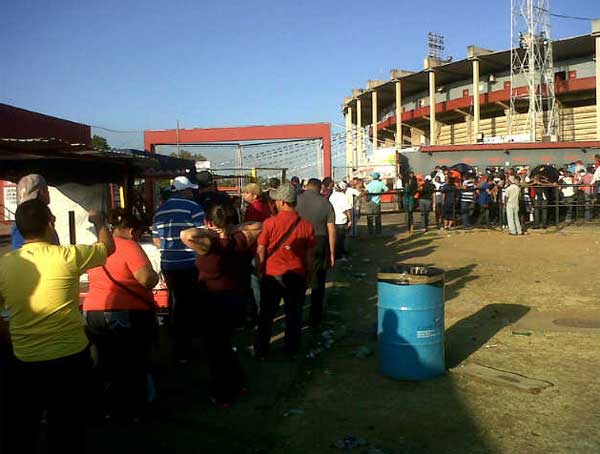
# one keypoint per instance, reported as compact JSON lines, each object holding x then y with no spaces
{"x":472,"y":120}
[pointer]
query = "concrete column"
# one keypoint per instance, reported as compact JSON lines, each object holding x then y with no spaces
{"x":349,"y":143}
{"x":359,"y":132}
{"x":398,"y":115}
{"x":596,"y":35}
{"x":374,"y":117}
{"x":476,"y":106}
{"x":432,"y":122}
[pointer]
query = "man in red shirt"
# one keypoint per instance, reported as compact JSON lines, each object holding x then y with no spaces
{"x":284,"y":250}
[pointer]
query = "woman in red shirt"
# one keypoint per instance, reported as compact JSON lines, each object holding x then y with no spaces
{"x":119,"y":311}
{"x":257,"y":210}
{"x":223,"y":261}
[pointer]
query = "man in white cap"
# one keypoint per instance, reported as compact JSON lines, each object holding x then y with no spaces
{"x":31,"y":187}
{"x":178,"y":262}
{"x":343,"y":217}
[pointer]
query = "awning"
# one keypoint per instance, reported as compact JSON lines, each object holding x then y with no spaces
{"x":60,"y":162}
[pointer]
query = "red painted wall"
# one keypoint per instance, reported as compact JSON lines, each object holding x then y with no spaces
{"x":16,"y":123}
{"x":303,"y":131}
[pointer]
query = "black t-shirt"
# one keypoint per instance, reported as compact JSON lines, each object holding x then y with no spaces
{"x":317,"y":210}
{"x":427,"y":191}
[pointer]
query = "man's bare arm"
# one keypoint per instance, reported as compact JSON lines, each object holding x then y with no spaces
{"x":331,"y":235}
{"x":104,"y":235}
{"x":199,"y":240}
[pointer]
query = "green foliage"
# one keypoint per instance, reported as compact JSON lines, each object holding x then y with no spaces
{"x":100,"y":143}
{"x":185,"y":154}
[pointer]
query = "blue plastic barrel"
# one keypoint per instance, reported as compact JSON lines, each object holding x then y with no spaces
{"x":411,"y":322}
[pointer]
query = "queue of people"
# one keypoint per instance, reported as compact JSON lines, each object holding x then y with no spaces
{"x":218,"y":263}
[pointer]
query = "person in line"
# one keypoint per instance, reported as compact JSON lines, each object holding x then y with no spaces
{"x":374,"y":189}
{"x":343,"y":218}
{"x":295,"y":182}
{"x":256,"y":208}
{"x":223,"y":264}
{"x":467,"y":204}
{"x":327,"y":187}
{"x":321,"y":215}
{"x":568,"y":194}
{"x":541,"y":197}
{"x":408,"y":200}
{"x":450,"y":196}
{"x":30,"y":187}
{"x":119,"y":311}
{"x":178,"y":263}
{"x":438,"y":198}
{"x":485,"y":200}
{"x":353,"y":194}
{"x":511,"y":199}
{"x":39,"y":287}
{"x":426,"y":192}
{"x":285,"y":250}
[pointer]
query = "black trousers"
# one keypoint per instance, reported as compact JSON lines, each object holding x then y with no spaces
{"x":224,"y":311}
{"x":320,"y":265}
{"x":57,"y":386}
{"x":340,"y":240}
{"x":291,"y":287}
{"x":123,"y":341}
{"x":183,"y":306}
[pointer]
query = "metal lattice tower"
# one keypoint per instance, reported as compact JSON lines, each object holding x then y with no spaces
{"x":531,"y":66}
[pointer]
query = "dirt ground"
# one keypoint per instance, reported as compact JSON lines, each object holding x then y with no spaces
{"x":502,"y":295}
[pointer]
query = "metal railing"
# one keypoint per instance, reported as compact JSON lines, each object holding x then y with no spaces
{"x":540,"y":206}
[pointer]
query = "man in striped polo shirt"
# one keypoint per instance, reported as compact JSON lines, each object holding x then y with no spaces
{"x":178,"y":263}
{"x":467,"y":204}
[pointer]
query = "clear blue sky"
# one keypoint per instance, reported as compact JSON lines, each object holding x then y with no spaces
{"x":134,"y":65}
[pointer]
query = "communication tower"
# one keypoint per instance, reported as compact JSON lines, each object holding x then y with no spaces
{"x":532,"y":67}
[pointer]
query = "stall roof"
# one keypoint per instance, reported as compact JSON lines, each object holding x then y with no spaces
{"x":61,"y":162}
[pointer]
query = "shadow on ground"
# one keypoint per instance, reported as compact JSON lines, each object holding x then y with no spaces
{"x":471,"y":333}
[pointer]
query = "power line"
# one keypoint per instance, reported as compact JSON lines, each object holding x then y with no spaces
{"x":564,"y":16}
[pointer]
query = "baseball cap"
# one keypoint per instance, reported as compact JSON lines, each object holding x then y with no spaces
{"x":342,"y":185}
{"x":29,"y":187}
{"x":427,"y":177}
{"x":285,"y":193}
{"x":376,"y":175}
{"x":183,"y":183}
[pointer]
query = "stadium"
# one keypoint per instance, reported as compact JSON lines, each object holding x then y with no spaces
{"x":538,"y":102}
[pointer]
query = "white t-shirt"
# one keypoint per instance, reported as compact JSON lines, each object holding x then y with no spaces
{"x":340,"y":205}
{"x":350,"y":194}
{"x":568,"y":191}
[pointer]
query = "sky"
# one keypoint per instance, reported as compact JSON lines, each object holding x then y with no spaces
{"x":135,"y":65}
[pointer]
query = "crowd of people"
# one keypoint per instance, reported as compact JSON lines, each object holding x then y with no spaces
{"x":227,"y":264}
{"x":515,"y":198}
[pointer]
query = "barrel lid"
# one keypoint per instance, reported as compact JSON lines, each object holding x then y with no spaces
{"x":409,"y":273}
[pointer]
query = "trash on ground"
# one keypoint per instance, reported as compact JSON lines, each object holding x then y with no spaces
{"x":294,"y":411}
{"x":522,"y":333}
{"x":359,"y":274}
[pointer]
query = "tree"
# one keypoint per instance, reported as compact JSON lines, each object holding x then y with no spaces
{"x":185,"y":154}
{"x":100,"y":143}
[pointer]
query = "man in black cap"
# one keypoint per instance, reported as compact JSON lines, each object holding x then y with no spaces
{"x":284,"y":250}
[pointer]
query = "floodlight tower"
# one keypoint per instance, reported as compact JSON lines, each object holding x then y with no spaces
{"x":531,"y":66}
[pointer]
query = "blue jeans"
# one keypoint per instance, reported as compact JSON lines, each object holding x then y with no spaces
{"x":425,"y":208}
